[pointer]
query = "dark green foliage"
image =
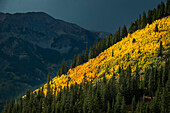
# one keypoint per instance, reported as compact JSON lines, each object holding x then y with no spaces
{"x":133,"y":27}
{"x":102,"y":96}
{"x":91,"y":53}
{"x":133,"y":41}
{"x":144,"y":20}
{"x":109,"y":41}
{"x":86,"y":54}
{"x":103,"y":44}
{"x":160,"y":49}
{"x":124,"y":32}
{"x":167,"y":8}
{"x":116,"y":36}
{"x":133,"y":105}
{"x":149,"y":18}
{"x":156,"y":28}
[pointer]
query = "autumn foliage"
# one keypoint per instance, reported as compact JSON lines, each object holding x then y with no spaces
{"x":140,"y":47}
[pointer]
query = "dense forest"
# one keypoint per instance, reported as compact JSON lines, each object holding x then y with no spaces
{"x":126,"y":91}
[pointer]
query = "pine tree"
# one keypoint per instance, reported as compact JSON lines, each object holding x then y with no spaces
{"x":165,"y":73}
{"x":167,"y":8}
{"x":62,"y":69}
{"x":118,"y":103}
{"x":156,"y":28}
{"x":124,"y":32}
{"x":103,"y":44}
{"x":78,"y":60}
{"x":158,"y":12}
{"x":154,"y":13}
{"x":133,"y":27}
{"x":66,"y":67}
{"x":94,"y":50}
{"x":123,"y":106}
{"x":86,"y":54}
{"x":74,"y":61}
{"x":133,"y":105}
{"x":11,"y":105}
{"x":109,"y":40}
{"x":82,"y":58}
{"x":108,"y":107}
{"x":162,"y":9}
{"x":144,"y":20}
{"x":91,"y":53}
{"x":98,"y":46}
{"x":160,"y":49}
{"x":149,"y":18}
{"x":139,"y":22}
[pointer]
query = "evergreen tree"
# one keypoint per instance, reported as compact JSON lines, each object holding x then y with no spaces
{"x":139,"y":22}
{"x":98,"y":46}
{"x":108,"y":107}
{"x":75,"y":61}
{"x":154,"y":13}
{"x":133,"y":105}
{"x":94,"y":50}
{"x":109,"y":41}
{"x":103,"y":44}
{"x":10,"y":107}
{"x":78,"y":60}
{"x":167,"y":8}
{"x":86,"y":54}
{"x":156,"y":28}
{"x":91,"y":53}
{"x":158,"y":12}
{"x":118,"y":103}
{"x":66,"y":67}
{"x":116,"y":36}
{"x":149,"y":18}
{"x":162,"y":9}
{"x":124,"y":32}
{"x":144,"y":20}
{"x":160,"y":49}
{"x":62,"y":69}
{"x":133,"y":27}
{"x":123,"y":106}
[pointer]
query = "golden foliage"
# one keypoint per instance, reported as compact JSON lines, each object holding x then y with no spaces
{"x":126,"y":52}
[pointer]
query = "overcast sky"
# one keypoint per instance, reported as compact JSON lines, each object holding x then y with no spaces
{"x":96,"y":15}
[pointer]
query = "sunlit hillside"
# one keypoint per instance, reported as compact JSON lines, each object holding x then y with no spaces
{"x":140,"y":47}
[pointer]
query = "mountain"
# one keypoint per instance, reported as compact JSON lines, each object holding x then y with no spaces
{"x":33,"y":44}
{"x":130,"y":76}
{"x":140,"y":48}
{"x":43,"y":30}
{"x":127,"y":72}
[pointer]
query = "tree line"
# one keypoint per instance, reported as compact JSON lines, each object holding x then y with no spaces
{"x":130,"y":93}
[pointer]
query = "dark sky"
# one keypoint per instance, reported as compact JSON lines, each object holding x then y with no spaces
{"x":96,"y":15}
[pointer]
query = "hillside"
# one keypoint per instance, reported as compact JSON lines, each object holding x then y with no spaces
{"x":45,"y":31}
{"x":32,"y":45}
{"x":141,"y":46}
